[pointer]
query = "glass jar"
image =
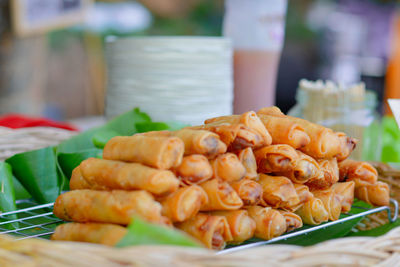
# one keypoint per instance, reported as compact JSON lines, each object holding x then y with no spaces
{"x":354,"y":115}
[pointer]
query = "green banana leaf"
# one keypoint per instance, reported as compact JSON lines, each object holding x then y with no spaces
{"x":378,"y":231}
{"x":143,"y":233}
{"x":159,"y":126}
{"x":37,"y":171}
{"x":20,"y":191}
{"x":7,"y":195}
{"x":68,"y":161}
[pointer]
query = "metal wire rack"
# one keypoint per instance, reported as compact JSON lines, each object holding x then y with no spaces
{"x":32,"y":220}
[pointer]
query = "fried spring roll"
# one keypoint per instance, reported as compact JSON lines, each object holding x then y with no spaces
{"x":228,"y":167}
{"x":328,"y":177}
{"x":293,"y":221}
{"x":184,"y":203}
{"x":78,"y":182}
{"x":248,"y":190}
{"x":313,"y":212}
{"x":304,"y":195}
{"x":324,"y":143}
{"x":304,"y":168}
{"x":115,"y":206}
{"x":155,"y":151}
{"x":99,"y":233}
{"x":249,"y":119}
{"x":332,"y":202}
{"x":212,"y":231}
{"x":275,"y":158}
{"x":194,"y":169}
{"x":270,"y":223}
{"x":241,"y":225}
{"x":247,"y":158}
{"x":375,"y":194}
{"x":221,"y":196}
{"x":285,"y":131}
{"x":357,"y":170}
{"x":201,"y":142}
{"x":347,"y":145}
{"x":102,"y":174}
{"x":279,"y":192}
{"x":346,"y":191}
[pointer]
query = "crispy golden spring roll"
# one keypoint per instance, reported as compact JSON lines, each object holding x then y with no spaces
{"x":270,"y":223}
{"x":155,"y":151}
{"x":99,"y":233}
{"x":346,"y":191}
{"x":228,"y":167}
{"x":313,"y":212}
{"x":184,"y":203}
{"x":279,"y":192}
{"x":285,"y":131}
{"x":115,"y":206}
{"x":347,"y":145}
{"x":293,"y":221}
{"x":329,"y":175}
{"x":375,"y":194}
{"x":246,"y":157}
{"x":78,"y":182}
{"x":194,"y":169}
{"x":249,"y":119}
{"x":102,"y":174}
{"x":304,"y":195}
{"x":212,"y":231}
{"x":275,"y":158}
{"x":248,"y":190}
{"x":201,"y":142}
{"x":221,"y":196}
{"x":324,"y":143}
{"x":241,"y":225}
{"x":352,"y":170}
{"x":304,"y":168}
{"x":332,"y":202}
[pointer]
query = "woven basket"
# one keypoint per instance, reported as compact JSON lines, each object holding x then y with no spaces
{"x":354,"y":251}
{"x":14,"y":141}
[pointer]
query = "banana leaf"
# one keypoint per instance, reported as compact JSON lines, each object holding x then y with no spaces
{"x":143,"y":233}
{"x":68,"y":161}
{"x":7,"y":194}
{"x":37,"y":171}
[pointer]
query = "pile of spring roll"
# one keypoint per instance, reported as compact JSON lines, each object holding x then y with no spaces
{"x":235,"y":177}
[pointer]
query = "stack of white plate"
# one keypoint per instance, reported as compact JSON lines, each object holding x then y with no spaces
{"x":185,"y":79}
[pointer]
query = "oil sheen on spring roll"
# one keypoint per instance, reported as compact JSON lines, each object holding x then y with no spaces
{"x":247,"y":158}
{"x":285,"y":131}
{"x":332,"y":202}
{"x":241,"y":225}
{"x":156,"y":151}
{"x":184,"y":203}
{"x":270,"y":223}
{"x":228,"y":167}
{"x":313,"y":212}
{"x":194,"y":169}
{"x":212,"y":231}
{"x":249,"y":119}
{"x":248,"y":190}
{"x":303,"y":169}
{"x":279,"y":192}
{"x":126,"y":176}
{"x":376,"y":194}
{"x":293,"y":221}
{"x":221,"y":196}
{"x":275,"y":158}
{"x":78,"y":182}
{"x":115,"y":206}
{"x":329,"y":175}
{"x":99,"y":233}
{"x":347,"y":145}
{"x":352,"y":170}
{"x":346,"y":191}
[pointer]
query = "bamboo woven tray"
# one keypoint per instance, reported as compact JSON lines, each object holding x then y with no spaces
{"x":354,"y":251}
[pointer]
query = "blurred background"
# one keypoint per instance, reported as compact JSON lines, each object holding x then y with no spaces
{"x":58,"y":71}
